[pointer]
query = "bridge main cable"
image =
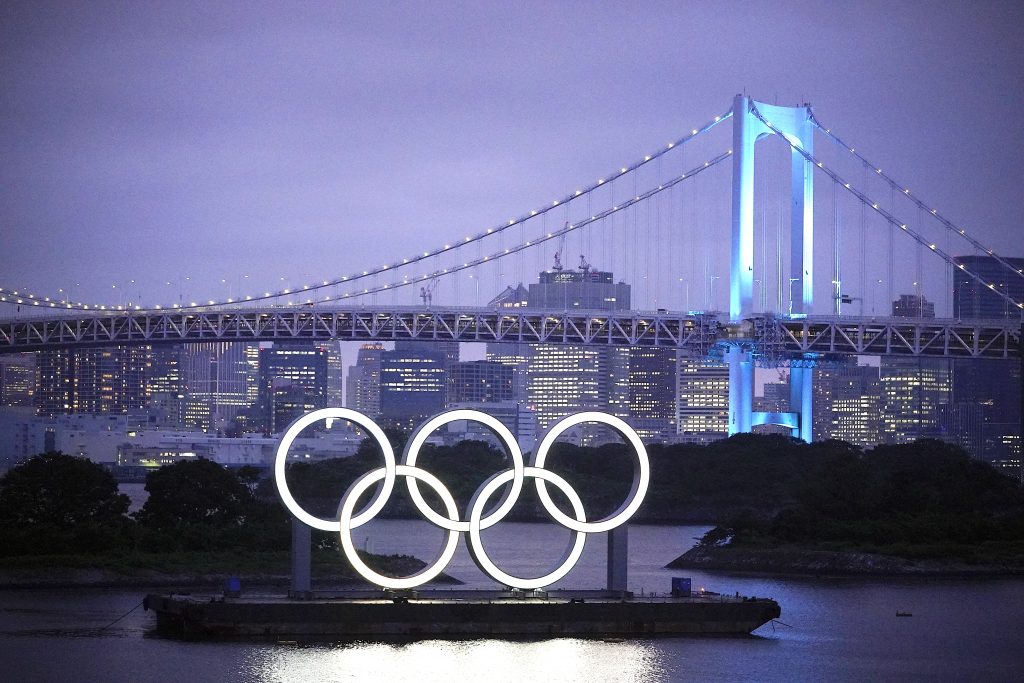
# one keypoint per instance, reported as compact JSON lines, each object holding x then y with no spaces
{"x":874,"y":206}
{"x":7,"y":297}
{"x":905,"y":191}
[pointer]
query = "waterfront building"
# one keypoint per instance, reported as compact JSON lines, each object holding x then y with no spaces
{"x":848,"y":404}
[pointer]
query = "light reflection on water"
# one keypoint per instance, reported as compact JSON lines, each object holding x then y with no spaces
{"x":479,"y":660}
{"x":839,"y":629}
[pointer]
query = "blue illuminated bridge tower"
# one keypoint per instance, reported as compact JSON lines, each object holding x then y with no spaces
{"x":795,"y":123}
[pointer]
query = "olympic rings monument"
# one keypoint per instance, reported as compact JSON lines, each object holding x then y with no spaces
{"x":399,"y":609}
{"x":512,"y":480}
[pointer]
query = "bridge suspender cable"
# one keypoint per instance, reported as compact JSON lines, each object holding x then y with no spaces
{"x":885,"y":214}
{"x":905,"y":191}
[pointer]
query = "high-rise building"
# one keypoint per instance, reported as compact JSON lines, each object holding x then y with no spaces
{"x":166,"y":386}
{"x":848,"y":404}
{"x":413,"y":384}
{"x":912,"y":391}
{"x":516,"y":356}
{"x":93,"y":380}
{"x":293,"y":381}
{"x":480,"y":381}
{"x":335,"y":374}
{"x":217,"y":378}
{"x":985,"y":415}
{"x":362,"y":390}
{"x":702,"y":400}
{"x":18,"y":380}
{"x":564,"y":379}
{"x":972,"y":299}
{"x":652,"y":391}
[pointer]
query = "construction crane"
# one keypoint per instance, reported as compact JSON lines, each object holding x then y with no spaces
{"x":427,"y":291}
{"x":584,"y":266}
{"x":558,"y":267}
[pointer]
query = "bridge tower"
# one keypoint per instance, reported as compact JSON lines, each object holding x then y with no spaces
{"x":795,"y":124}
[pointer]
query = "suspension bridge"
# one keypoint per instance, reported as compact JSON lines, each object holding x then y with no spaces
{"x":658,"y":223}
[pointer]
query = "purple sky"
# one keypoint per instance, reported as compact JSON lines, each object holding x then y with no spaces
{"x":214,"y":141}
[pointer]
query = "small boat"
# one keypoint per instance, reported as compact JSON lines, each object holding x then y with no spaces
{"x":903,"y":614}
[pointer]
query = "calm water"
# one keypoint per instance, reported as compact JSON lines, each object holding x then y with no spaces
{"x":839,"y":630}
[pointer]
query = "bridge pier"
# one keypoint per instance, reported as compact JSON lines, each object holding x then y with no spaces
{"x":742,"y":416}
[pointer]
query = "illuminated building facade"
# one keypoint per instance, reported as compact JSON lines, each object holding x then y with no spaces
{"x":912,"y":391}
{"x":848,"y":404}
{"x":515,"y":356}
{"x":362,"y":391}
{"x":971,"y":299}
{"x":93,"y":380}
{"x":565,"y":379}
{"x":652,"y":390}
{"x":702,"y":400}
{"x":217,"y":379}
{"x":18,"y":380}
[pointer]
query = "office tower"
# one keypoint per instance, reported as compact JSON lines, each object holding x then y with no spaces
{"x":18,"y":380}
{"x":516,"y":356}
{"x":362,"y":390}
{"x":166,"y":386}
{"x":652,"y":392}
{"x":972,"y":299}
{"x":848,"y":404}
{"x":702,"y":400}
{"x":217,"y":379}
{"x":413,"y":384}
{"x":480,"y":381}
{"x":564,"y":379}
{"x":912,"y":391}
{"x":335,"y":374}
{"x":293,"y":381}
{"x":93,"y":380}
{"x":913,"y":306}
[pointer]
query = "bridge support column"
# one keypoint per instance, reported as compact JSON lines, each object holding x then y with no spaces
{"x":795,"y":124}
{"x":741,"y":390}
{"x":800,"y":401}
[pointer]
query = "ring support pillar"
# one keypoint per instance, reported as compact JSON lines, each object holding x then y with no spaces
{"x":741,"y":390}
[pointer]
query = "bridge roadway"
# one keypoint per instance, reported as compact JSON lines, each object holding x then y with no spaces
{"x":772,"y":339}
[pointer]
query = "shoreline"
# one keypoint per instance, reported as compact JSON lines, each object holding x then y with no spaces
{"x":799,"y":562}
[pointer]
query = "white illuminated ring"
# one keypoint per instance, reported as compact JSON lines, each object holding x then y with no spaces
{"x":476,"y":544}
{"x":347,"y":523}
{"x":419,"y":437}
{"x":512,"y":478}
{"x":295,"y":428}
{"x":641,"y":472}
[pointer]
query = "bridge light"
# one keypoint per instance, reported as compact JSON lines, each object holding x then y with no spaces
{"x":622,"y":170}
{"x":693,"y":132}
{"x":489,"y":231}
{"x":931,"y":246}
{"x":554,"y":203}
{"x":874,"y":206}
{"x":647,"y":158}
{"x":532,"y":213}
{"x":670,"y":145}
{"x":600,"y":181}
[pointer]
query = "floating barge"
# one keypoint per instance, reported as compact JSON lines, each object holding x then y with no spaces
{"x":379,"y":615}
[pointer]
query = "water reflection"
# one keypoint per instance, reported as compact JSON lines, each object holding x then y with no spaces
{"x":484,"y":660}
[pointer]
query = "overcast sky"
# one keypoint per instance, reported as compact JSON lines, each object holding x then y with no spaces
{"x":158,"y":141}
